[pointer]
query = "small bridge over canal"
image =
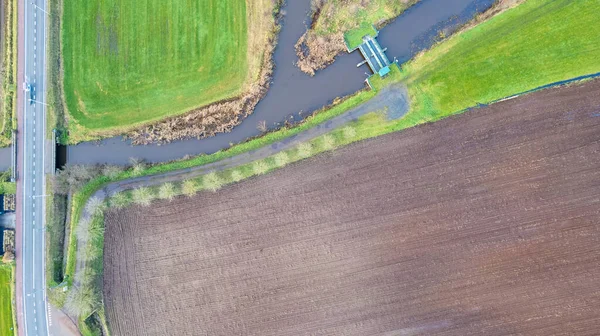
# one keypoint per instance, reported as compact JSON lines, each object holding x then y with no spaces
{"x":374,"y":55}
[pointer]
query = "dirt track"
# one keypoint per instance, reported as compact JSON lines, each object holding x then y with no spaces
{"x":487,"y":223}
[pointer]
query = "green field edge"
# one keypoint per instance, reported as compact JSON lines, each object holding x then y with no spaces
{"x":8,"y":106}
{"x":8,"y":313}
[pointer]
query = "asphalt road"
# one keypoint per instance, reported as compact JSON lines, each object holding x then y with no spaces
{"x":32,"y":261}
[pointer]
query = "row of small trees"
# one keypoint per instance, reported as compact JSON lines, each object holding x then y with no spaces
{"x":214,"y":181}
{"x":85,"y":298}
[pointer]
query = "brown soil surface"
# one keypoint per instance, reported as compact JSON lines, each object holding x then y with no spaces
{"x":486,"y":223}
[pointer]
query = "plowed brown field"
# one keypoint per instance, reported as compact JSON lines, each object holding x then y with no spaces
{"x":487,"y":223}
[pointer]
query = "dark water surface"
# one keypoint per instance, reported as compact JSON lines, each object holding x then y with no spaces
{"x":291,"y":90}
{"x":5,"y":154}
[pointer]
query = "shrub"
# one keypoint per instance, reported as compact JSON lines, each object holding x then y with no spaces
{"x":142,"y":196}
{"x":111,"y":171}
{"x":327,"y":142}
{"x":167,"y":191}
{"x":189,"y":188}
{"x":92,"y":252}
{"x":120,"y":200}
{"x":236,"y":176}
{"x":81,"y":301}
{"x":212,"y":181}
{"x":304,"y":150}
{"x":82,"y":230}
{"x":96,"y":229}
{"x":281,"y":159}
{"x":349,"y":132}
{"x":260,"y":167}
{"x":95,"y":206}
{"x":85,"y":276}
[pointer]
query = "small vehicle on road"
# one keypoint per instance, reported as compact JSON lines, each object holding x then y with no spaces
{"x":31,"y":94}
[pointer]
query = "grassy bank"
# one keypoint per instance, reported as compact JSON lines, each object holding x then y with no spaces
{"x":443,"y":81}
{"x":7,"y":327}
{"x":7,"y":187}
{"x":536,"y":43}
{"x":8,"y":74}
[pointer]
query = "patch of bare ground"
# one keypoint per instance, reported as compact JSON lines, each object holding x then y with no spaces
{"x":222,"y":116}
{"x":486,"y":223}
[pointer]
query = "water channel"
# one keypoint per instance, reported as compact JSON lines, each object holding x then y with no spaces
{"x":293,"y":93}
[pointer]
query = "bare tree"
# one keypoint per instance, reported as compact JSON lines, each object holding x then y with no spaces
{"x":327,"y":142}
{"x":167,"y":191}
{"x":262,"y":126}
{"x":120,"y":200}
{"x":142,"y":196}
{"x":111,"y":171}
{"x":189,"y":187}
{"x":260,"y":167}
{"x":304,"y":150}
{"x":281,"y":159}
{"x":212,"y":181}
{"x":82,"y":301}
{"x":236,"y":176}
{"x":95,"y":206}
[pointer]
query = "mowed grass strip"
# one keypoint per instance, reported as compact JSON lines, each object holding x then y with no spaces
{"x":536,"y":43}
{"x":6,"y":317}
{"x":132,"y":62}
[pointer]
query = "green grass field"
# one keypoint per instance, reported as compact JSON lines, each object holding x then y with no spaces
{"x":536,"y":43}
{"x":131,"y":62}
{"x":8,"y":71}
{"x":6,"y":315}
{"x":354,"y":37}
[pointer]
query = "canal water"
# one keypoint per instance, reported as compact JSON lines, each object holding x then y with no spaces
{"x":292,"y":93}
{"x":5,"y":155}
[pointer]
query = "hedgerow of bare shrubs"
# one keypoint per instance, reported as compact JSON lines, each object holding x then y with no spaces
{"x":73,"y":177}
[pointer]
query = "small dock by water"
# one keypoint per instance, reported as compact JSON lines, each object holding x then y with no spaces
{"x":374,"y":55}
